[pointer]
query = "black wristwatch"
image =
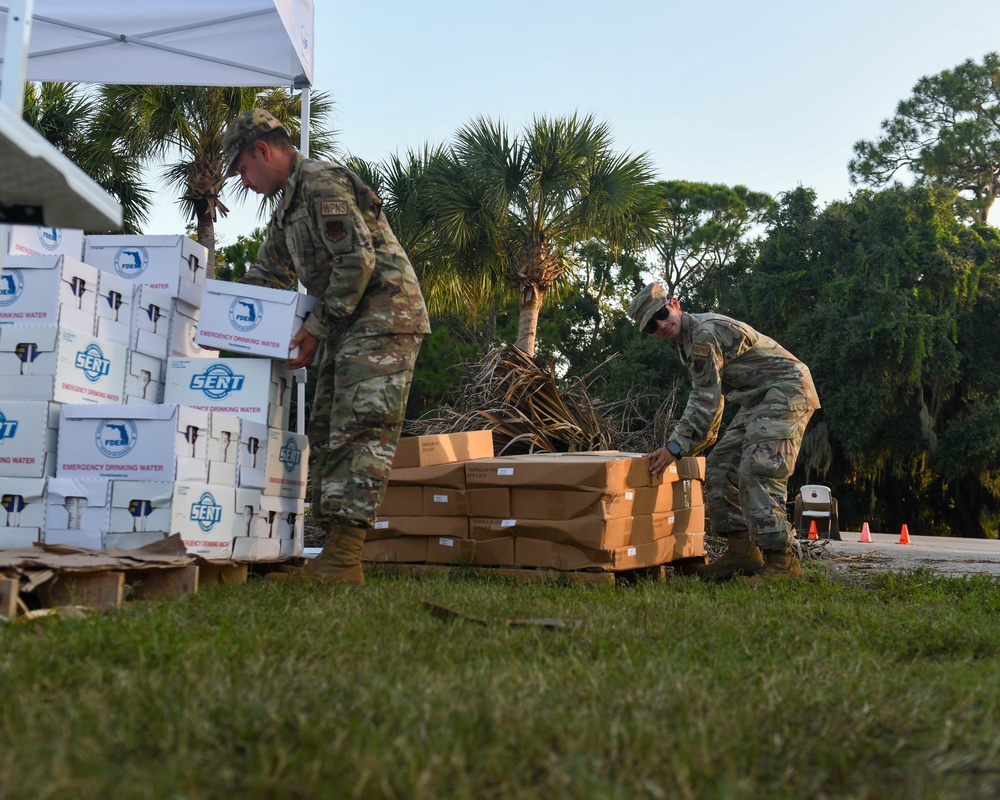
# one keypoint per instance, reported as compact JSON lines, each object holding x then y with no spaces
{"x":674,"y":448}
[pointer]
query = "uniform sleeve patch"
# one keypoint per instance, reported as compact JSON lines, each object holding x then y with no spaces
{"x":333,"y":208}
{"x":701,"y":350}
{"x":335,"y":230}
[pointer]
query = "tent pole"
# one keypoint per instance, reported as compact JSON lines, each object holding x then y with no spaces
{"x":15,"y":62}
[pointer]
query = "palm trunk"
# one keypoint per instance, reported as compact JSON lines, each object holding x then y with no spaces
{"x":527,"y":325}
{"x":206,"y":238}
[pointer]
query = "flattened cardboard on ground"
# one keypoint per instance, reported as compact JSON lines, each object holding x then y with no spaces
{"x":166,"y":552}
{"x":577,"y":471}
{"x":444,"y":448}
{"x":554,"y":555}
{"x":450,"y":476}
{"x":569,"y":504}
{"x":669,"y":496}
{"x":387,"y":528}
{"x":396,"y":550}
{"x":402,"y":501}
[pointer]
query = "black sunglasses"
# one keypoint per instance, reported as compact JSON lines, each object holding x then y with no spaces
{"x":663,"y":313}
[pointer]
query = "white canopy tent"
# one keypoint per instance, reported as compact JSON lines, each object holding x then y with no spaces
{"x":189,"y":42}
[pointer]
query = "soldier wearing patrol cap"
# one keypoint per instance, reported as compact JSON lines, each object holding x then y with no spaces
{"x":747,"y":472}
{"x":328,"y":230}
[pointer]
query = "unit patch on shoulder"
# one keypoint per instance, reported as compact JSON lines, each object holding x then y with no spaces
{"x":701,"y":350}
{"x":333,"y":208}
{"x":335,"y":231}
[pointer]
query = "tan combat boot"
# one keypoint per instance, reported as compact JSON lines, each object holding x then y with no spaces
{"x":741,"y":557}
{"x":340,"y":559}
{"x":779,"y":565}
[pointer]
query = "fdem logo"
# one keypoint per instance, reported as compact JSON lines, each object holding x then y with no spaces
{"x":8,"y":427}
{"x":290,"y":455}
{"x":131,"y":262}
{"x":217,"y":381}
{"x":245,"y":313}
{"x":93,"y":363}
{"x":206,"y":512}
{"x":49,"y":238}
{"x":116,"y":437}
{"x":11,"y":286}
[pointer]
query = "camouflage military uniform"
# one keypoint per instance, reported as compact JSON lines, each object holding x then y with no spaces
{"x":330,"y":232}
{"x":747,"y":472}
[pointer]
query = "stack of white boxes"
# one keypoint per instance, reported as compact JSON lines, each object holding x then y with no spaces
{"x":195,"y":444}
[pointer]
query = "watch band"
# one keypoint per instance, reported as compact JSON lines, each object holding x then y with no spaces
{"x":674,"y":448}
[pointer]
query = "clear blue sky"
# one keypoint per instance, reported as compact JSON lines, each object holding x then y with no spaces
{"x":768,"y":93}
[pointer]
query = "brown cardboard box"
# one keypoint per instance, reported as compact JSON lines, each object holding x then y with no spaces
{"x":450,"y":476}
{"x":489,"y":502}
{"x":450,"y":550}
{"x":402,"y":501}
{"x":583,"y":531}
{"x":691,"y":468}
{"x":498,"y":552}
{"x":440,"y":501}
{"x":401,"y":550}
{"x":682,"y":520}
{"x":565,"y":504}
{"x":445,"y":448}
{"x":577,"y":471}
{"x":391,"y":527}
{"x":668,"y":496}
{"x":689,"y":545}
{"x":554,"y":555}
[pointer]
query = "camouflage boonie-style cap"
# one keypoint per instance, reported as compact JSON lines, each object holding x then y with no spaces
{"x":246,"y":128}
{"x":651,"y":299}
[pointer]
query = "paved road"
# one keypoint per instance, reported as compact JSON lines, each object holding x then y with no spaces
{"x":946,"y":555}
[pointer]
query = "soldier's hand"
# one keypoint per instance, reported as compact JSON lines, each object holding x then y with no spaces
{"x":659,"y":460}
{"x":308,"y":345}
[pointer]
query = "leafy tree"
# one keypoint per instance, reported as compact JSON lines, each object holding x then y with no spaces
{"x":512,"y":208}
{"x":946,"y":132}
{"x":703,"y":225}
{"x":232,"y":261}
{"x":187,"y":123}
{"x":65,"y":115}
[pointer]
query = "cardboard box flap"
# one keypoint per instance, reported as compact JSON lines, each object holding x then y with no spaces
{"x":156,"y":412}
{"x":42,"y":335}
{"x":32,"y":262}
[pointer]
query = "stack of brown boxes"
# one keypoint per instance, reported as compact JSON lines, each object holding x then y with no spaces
{"x":564,"y":511}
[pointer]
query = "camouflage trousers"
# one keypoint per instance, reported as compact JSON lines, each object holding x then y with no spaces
{"x":747,"y":472}
{"x":355,"y":422}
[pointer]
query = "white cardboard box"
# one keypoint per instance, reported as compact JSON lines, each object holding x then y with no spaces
{"x":48,"y":290}
{"x":115,"y":298}
{"x":22,"y":510}
{"x":282,"y":519}
{"x":48,"y":363}
{"x":143,"y":378}
{"x":251,"y":548}
{"x":251,"y":463}
{"x":172,"y":264}
{"x":287,"y":464}
{"x":28,"y":436}
{"x":204,"y":515}
{"x":134,"y":442}
{"x":256,"y":389}
{"x":223,"y":448}
{"x":149,"y":329}
{"x":183,"y":328}
{"x":251,"y":319}
{"x":140,"y":507}
{"x":29,"y":240}
{"x":76,"y":512}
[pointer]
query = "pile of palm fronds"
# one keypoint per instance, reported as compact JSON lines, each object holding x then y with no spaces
{"x":522,"y":402}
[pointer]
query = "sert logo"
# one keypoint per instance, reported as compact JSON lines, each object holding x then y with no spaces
{"x":116,"y":438}
{"x":8,"y":428}
{"x":290,"y":455}
{"x":206,"y":512}
{"x":93,"y":363}
{"x":11,"y":285}
{"x":49,"y":238}
{"x":217,"y":381}
{"x":245,"y":313}
{"x":131,"y":262}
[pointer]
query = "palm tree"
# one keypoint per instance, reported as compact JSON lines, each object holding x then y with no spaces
{"x":67,"y":117}
{"x":512,"y":208}
{"x":187,"y":123}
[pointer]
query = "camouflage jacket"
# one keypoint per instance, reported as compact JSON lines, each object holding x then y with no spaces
{"x":729,"y":360}
{"x":329,"y":231}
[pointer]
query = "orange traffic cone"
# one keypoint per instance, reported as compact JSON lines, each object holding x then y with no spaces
{"x":904,"y":536}
{"x":866,"y":535}
{"x":813,"y":533}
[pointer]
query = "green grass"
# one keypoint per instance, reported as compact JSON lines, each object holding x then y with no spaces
{"x":882,"y":686}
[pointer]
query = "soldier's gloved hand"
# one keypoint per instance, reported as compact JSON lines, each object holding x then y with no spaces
{"x":308,"y":345}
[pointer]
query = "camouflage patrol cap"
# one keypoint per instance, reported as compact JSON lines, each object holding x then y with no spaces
{"x":651,"y":299}
{"x":246,"y":128}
